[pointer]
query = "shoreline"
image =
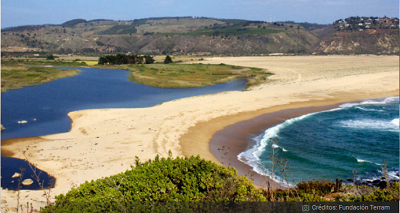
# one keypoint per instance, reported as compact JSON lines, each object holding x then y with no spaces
{"x":235,"y":137}
{"x":104,"y":142}
{"x":239,"y":137}
{"x":235,"y":132}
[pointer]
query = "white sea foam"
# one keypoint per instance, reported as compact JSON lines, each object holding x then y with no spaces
{"x":376,"y":124}
{"x":372,"y":102}
{"x":348,"y":105}
{"x":278,"y":147}
{"x":275,"y":146}
{"x":363,"y":161}
{"x":359,"y":160}
{"x":384,"y":101}
{"x":369,"y":110}
{"x":23,"y":122}
{"x":395,"y":122}
{"x":393,"y":175}
{"x":252,"y":156}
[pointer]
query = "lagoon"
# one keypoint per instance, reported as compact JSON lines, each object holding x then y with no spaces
{"x":45,"y":107}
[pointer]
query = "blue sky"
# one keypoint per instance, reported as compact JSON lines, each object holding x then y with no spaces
{"x":35,"y":12}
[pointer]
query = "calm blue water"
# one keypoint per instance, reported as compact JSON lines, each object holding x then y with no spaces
{"x":331,"y":144}
{"x":45,"y":107}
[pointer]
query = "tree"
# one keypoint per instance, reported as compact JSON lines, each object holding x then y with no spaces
{"x":50,"y":57}
{"x":149,"y":59}
{"x":168,"y":60}
{"x":125,"y":59}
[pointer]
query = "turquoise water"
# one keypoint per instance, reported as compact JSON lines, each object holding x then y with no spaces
{"x":332,"y":144}
{"x":41,"y":110}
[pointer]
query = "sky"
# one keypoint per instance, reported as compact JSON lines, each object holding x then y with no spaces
{"x":38,"y":12}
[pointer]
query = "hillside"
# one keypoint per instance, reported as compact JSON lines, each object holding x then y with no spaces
{"x":201,"y":36}
{"x":361,"y":35}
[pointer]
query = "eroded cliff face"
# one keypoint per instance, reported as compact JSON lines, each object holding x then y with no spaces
{"x":365,"y":42}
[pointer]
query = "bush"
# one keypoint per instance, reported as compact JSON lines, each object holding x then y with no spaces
{"x":50,"y":57}
{"x":319,"y":187}
{"x":168,"y":60}
{"x":159,"y":183}
{"x":306,"y":191}
{"x":125,"y":59}
{"x":381,"y":195}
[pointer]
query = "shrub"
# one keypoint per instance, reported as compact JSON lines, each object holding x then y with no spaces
{"x":382,"y":195}
{"x":159,"y":183}
{"x":50,"y":57}
{"x":319,"y":187}
{"x":167,"y":60}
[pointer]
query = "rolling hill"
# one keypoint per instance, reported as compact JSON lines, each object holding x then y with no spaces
{"x":201,"y":36}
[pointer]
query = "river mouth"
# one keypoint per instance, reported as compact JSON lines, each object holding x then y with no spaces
{"x":42,"y":110}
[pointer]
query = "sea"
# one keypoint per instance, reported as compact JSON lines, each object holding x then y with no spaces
{"x":354,"y":141}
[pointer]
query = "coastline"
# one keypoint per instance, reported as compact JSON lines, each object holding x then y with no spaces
{"x":228,"y":143}
{"x":104,"y":142}
{"x":238,"y":137}
{"x":222,"y":145}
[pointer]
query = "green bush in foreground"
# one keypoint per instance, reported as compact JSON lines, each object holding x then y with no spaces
{"x":382,"y":195}
{"x":164,"y":180}
{"x":195,"y":185}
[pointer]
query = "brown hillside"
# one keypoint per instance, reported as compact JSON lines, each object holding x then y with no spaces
{"x":187,"y":35}
{"x":373,"y":41}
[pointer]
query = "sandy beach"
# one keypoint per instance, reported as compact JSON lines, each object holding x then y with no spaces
{"x":104,"y":142}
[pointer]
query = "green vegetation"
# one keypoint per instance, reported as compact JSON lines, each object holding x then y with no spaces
{"x":236,"y":28}
{"x":120,"y":29}
{"x":18,"y":73}
{"x":177,"y":181}
{"x":74,"y":22}
{"x":185,"y":184}
{"x":168,"y":60}
{"x":322,"y":190}
{"x":50,"y":57}
{"x":125,"y":59}
{"x":138,"y":22}
{"x":193,"y":75}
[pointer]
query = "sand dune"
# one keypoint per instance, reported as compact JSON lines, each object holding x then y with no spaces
{"x":104,"y":142}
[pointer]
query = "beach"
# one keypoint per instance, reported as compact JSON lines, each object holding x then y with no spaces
{"x":228,"y":143}
{"x":104,"y":142}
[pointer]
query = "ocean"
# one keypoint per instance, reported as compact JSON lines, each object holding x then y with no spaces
{"x":353,"y":140}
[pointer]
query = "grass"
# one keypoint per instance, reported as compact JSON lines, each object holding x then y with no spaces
{"x":120,"y":29}
{"x":236,"y":29}
{"x":76,"y":57}
{"x":20,"y":73}
{"x":193,"y":75}
{"x":91,"y":63}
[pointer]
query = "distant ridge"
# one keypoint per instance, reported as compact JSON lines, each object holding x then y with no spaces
{"x":205,"y":36}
